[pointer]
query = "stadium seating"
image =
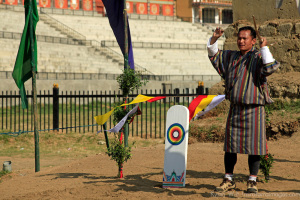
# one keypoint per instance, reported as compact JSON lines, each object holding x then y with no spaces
{"x":97,"y":28}
{"x":55,"y":57}
{"x":59,"y":58}
{"x":174,"y":62}
{"x":14,"y":22}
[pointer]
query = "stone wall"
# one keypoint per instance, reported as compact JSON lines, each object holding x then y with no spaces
{"x":281,"y":28}
{"x":283,"y":36}
{"x":264,"y":10}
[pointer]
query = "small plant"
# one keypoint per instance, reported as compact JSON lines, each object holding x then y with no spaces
{"x":129,"y":81}
{"x":268,"y":113}
{"x":119,"y":153}
{"x":3,"y":173}
{"x":266,"y":162}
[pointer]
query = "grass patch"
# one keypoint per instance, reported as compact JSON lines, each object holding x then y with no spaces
{"x":211,"y":133}
{"x":3,"y":173}
{"x":292,"y":106}
{"x":53,"y":144}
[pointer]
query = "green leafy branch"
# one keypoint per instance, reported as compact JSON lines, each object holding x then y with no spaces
{"x":130,"y":80}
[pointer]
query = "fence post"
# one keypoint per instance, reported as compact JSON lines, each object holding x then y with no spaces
{"x":200,"y":88}
{"x":176,"y":99}
{"x":55,"y":107}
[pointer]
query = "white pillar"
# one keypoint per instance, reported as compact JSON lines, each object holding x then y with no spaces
{"x":193,"y":15}
{"x":216,"y":16}
{"x":220,"y":15}
{"x":200,"y":14}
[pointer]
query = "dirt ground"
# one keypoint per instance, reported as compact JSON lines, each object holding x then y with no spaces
{"x":94,"y":177}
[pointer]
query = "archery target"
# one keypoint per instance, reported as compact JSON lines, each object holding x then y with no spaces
{"x":175,"y":134}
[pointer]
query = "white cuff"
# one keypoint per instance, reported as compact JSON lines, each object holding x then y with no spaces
{"x":212,"y":49}
{"x":266,"y":55}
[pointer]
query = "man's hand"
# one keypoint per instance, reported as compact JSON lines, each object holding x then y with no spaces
{"x":263,"y":42}
{"x":216,"y":35}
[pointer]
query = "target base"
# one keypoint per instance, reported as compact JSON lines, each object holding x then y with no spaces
{"x":176,"y":143}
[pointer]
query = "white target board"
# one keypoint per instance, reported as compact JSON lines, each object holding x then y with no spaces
{"x":176,"y":143}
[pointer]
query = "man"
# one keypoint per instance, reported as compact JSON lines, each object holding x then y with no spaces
{"x":245,"y":73}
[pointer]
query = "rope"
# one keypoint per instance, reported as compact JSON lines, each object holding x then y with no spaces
{"x":15,"y":134}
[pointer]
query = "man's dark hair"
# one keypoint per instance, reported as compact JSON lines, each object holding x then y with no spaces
{"x":248,"y":28}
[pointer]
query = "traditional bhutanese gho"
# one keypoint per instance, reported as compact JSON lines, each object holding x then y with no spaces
{"x":246,"y":89}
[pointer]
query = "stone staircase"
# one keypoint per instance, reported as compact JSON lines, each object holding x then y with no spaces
{"x":94,"y":46}
{"x":11,"y":21}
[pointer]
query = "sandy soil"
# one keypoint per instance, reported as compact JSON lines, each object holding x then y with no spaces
{"x":94,"y":177}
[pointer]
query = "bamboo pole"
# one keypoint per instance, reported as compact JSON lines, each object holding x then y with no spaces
{"x":36,"y":133}
{"x":126,"y":129}
{"x":126,"y":36}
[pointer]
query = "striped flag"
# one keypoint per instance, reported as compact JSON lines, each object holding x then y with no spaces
{"x":203,"y":104}
{"x":198,"y":107}
{"x":101,"y":119}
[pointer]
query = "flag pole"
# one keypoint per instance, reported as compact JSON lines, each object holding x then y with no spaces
{"x":33,"y":62}
{"x":126,"y":127}
{"x":126,"y":36}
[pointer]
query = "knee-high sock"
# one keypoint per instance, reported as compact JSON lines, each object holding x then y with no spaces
{"x":230,"y":161}
{"x":253,"y":162}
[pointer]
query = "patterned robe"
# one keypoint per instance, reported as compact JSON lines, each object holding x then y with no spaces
{"x":246,"y":89}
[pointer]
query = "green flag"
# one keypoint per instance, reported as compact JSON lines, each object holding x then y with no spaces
{"x":27,"y":56}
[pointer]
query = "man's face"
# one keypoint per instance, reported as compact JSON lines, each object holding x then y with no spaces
{"x":245,"y":41}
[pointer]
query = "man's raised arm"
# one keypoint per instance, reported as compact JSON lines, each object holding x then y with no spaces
{"x":212,"y":44}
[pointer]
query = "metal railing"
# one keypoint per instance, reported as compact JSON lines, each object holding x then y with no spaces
{"x":77,"y":110}
{"x":104,"y":43}
{"x":152,"y":17}
{"x":156,"y":45}
{"x":56,"y":11}
{"x":17,"y":8}
{"x":213,"y":2}
{"x":44,"y":38}
{"x":103,"y":76}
